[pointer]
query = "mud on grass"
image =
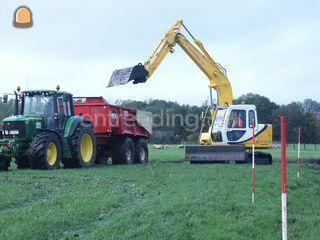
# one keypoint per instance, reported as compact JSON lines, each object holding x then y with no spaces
{"x":163,"y":200}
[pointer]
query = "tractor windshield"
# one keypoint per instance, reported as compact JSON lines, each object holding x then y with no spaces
{"x":38,"y":105}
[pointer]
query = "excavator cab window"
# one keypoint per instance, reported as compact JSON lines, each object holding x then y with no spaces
{"x":237,"y":123}
{"x":237,"y":119}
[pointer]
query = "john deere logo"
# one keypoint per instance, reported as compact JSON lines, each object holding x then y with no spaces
{"x":22,"y":17}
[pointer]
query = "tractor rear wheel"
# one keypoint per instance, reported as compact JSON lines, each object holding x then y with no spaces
{"x":4,"y":163}
{"x":45,"y":149}
{"x":84,"y":148}
{"x":141,"y":151}
{"x":22,"y":162}
{"x":123,"y":151}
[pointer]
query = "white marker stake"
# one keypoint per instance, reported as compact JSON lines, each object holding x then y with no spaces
{"x":299,"y":157}
{"x":284,"y":178}
{"x":253,"y":159}
{"x":284,"y":216}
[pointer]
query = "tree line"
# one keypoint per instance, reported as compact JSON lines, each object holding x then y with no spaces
{"x":305,"y":115}
{"x":176,"y":123}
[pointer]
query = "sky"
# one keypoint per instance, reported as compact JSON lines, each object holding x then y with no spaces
{"x":268,"y":47}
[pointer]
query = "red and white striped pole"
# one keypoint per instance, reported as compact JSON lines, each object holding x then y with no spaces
{"x":284,"y":178}
{"x":253,"y":160}
{"x":299,"y":158}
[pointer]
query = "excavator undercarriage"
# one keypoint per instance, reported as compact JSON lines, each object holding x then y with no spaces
{"x":224,"y":154}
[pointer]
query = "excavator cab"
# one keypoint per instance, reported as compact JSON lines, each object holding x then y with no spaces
{"x":233,"y":124}
{"x":230,"y":137}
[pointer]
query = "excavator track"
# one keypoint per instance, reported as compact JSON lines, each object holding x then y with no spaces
{"x":224,"y":154}
{"x":216,"y":154}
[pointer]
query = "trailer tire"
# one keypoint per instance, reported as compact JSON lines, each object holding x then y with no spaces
{"x":84,"y":148}
{"x":45,"y":149}
{"x":22,"y":162}
{"x":141,"y":151}
{"x":123,"y":152}
{"x":5,"y":163}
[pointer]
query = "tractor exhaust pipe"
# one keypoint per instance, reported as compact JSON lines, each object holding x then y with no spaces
{"x":137,"y":74}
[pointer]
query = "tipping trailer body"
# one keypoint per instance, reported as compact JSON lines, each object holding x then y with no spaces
{"x":112,"y":124}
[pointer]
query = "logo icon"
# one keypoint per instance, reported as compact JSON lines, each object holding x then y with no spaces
{"x":22,"y":17}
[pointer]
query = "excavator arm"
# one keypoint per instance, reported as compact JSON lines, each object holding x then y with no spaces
{"x":215,"y":73}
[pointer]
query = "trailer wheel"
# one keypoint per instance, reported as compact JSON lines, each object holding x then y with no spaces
{"x":22,"y":162}
{"x":4,"y":163}
{"x":123,"y":152}
{"x":84,"y":148}
{"x":141,"y":150}
{"x":45,"y":149}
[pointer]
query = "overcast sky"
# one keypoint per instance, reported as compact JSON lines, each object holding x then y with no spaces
{"x":268,"y":47}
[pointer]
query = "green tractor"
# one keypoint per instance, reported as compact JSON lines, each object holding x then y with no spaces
{"x":44,"y":132}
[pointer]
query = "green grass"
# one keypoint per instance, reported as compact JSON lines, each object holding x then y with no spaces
{"x":167,"y":199}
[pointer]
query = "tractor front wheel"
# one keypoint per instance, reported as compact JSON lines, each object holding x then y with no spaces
{"x":45,"y":149}
{"x":4,"y":163}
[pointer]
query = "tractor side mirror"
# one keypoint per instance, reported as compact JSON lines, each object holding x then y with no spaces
{"x":5,"y":98}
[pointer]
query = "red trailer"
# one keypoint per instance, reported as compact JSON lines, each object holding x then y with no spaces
{"x":121,"y":133}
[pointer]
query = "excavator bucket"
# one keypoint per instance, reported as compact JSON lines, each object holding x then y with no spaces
{"x":137,"y":74}
{"x":216,"y":154}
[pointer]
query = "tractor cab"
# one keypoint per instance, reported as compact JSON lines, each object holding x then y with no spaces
{"x":54,"y":107}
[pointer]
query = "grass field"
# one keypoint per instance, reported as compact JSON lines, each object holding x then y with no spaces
{"x":167,"y":199}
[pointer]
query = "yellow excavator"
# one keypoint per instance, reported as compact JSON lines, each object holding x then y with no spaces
{"x":229,"y":138}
